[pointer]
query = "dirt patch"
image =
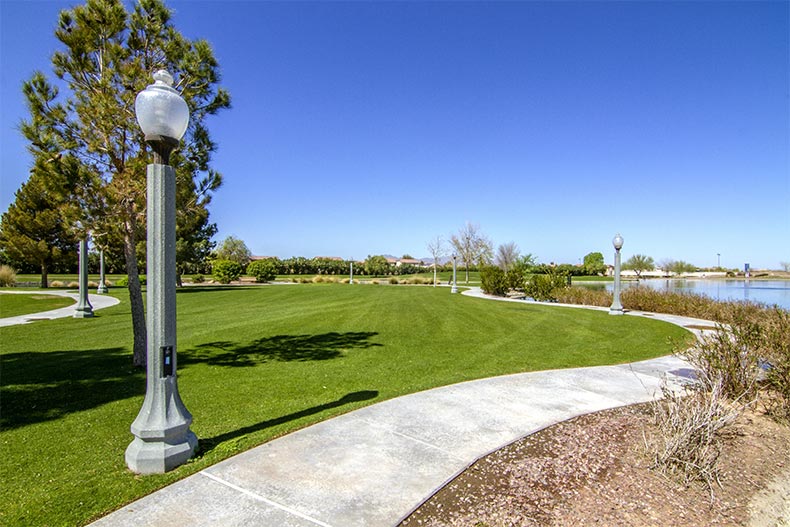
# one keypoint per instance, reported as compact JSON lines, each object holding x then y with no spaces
{"x":593,"y":470}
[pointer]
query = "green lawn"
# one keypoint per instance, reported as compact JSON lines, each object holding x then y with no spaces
{"x":66,"y":278}
{"x":256,"y":363}
{"x":12,"y":305}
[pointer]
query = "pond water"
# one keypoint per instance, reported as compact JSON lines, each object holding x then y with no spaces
{"x":766,"y":291}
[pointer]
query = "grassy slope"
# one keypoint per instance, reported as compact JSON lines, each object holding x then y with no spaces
{"x":256,"y":363}
{"x":15,"y":305}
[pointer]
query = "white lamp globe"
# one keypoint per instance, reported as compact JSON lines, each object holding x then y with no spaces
{"x":160,"y":110}
{"x":617,"y":242}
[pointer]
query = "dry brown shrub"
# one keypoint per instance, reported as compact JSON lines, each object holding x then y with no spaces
{"x":687,"y":444}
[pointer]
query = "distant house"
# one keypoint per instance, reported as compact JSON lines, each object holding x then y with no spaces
{"x":254,"y":258}
{"x":332,"y":258}
{"x":397,"y":262}
{"x":409,"y":261}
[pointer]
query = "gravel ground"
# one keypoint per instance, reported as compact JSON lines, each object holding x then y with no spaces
{"x":594,"y":470}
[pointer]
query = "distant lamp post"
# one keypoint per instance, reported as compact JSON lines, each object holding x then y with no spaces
{"x":718,"y":260}
{"x":455,"y":284}
{"x":617,"y":307}
{"x":84,"y":308}
{"x":351,"y":278}
{"x":162,"y":438}
{"x":102,"y":289}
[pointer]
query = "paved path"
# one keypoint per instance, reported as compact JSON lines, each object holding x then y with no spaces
{"x":97,"y":301}
{"x":374,"y":466}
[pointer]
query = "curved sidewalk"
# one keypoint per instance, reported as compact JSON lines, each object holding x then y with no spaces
{"x":97,"y":301}
{"x":372,"y":467}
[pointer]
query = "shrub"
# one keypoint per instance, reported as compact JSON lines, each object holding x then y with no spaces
{"x":775,"y":349}
{"x":91,"y":283}
{"x":226,"y":271}
{"x":56,"y":283}
{"x":198,"y":279}
{"x":124,"y":281}
{"x":74,"y":284}
{"x":7,"y":276}
{"x":515,"y":278}
{"x":345,"y":280}
{"x":262,"y":270}
{"x":374,"y":282}
{"x":317,"y":279}
{"x":493,"y":280}
{"x":583,"y":296}
{"x":689,"y":422}
{"x":542,"y":287}
{"x":393,"y":280}
{"x":728,"y":356}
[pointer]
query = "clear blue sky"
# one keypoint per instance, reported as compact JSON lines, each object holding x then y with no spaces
{"x":367,"y":127}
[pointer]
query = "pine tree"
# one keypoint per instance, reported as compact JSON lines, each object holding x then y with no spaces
{"x":109,"y":56}
{"x":39,"y":226}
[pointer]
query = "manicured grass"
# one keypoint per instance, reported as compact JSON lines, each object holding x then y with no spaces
{"x":65,"y":278}
{"x":258,"y":362}
{"x":12,"y":305}
{"x":593,"y":279}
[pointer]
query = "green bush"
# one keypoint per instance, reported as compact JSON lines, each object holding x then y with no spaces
{"x":198,"y":279}
{"x":226,"y":271}
{"x":262,"y":270}
{"x":493,"y":280}
{"x":124,"y":281}
{"x":7,"y":276}
{"x":394,"y":281}
{"x":515,"y":278}
{"x":544,"y":287}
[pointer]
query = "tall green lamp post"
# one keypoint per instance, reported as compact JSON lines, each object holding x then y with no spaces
{"x":617,"y":307}
{"x":84,"y":308}
{"x":162,"y":438}
{"x":454,"y":289}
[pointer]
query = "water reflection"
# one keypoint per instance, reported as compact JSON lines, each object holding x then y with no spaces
{"x":765,"y":291}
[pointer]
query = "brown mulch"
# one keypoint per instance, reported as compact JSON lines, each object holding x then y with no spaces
{"x":594,"y":470}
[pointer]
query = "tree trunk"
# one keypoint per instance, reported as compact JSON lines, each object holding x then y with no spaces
{"x":467,"y":273}
{"x":44,"y":275}
{"x":139,"y":353}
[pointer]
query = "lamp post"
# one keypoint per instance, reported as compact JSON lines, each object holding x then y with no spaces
{"x":718,"y":260}
{"x":455,"y":284}
{"x":84,"y":308}
{"x":102,"y":289}
{"x":617,"y":307}
{"x":351,"y":279}
{"x":162,"y":438}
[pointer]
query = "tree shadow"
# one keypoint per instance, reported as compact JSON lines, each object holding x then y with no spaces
{"x":324,"y":346}
{"x":209,"y":444}
{"x":39,"y":387}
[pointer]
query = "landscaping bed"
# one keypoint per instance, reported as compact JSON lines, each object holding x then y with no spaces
{"x":594,"y":470}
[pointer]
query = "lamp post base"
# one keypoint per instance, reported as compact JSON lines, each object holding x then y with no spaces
{"x":83,"y":312}
{"x":158,"y":457}
{"x":616,"y":311}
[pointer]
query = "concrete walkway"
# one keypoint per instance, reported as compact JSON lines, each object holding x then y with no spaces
{"x":374,"y":466}
{"x":97,"y":301}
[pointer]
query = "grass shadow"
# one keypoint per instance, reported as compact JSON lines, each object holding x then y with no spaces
{"x":324,"y":346}
{"x":39,"y":387}
{"x":209,"y":444}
